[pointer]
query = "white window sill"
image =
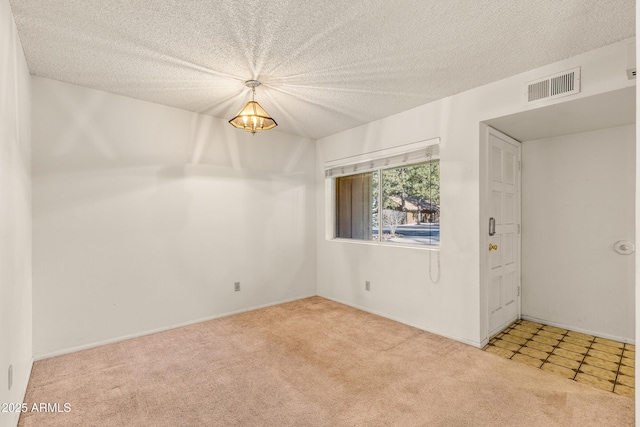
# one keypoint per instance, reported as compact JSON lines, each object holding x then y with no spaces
{"x":386,"y":244}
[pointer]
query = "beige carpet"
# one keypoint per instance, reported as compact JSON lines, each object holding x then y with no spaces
{"x":311,"y":362}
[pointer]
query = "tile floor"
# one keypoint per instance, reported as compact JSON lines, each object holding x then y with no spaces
{"x":599,"y":362}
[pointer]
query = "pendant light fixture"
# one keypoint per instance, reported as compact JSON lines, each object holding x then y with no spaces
{"x":252,"y":117}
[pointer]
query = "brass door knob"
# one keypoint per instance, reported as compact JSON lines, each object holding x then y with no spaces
{"x":493,"y":247}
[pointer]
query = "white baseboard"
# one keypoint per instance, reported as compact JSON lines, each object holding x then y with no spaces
{"x":577,"y":329}
{"x":404,"y":322}
{"x":162,"y":329}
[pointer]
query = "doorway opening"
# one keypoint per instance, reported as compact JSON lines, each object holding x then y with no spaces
{"x":578,"y":204}
{"x":577,"y":269}
{"x":577,"y":225}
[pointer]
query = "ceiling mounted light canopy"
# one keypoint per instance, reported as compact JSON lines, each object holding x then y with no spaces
{"x":252,"y":117}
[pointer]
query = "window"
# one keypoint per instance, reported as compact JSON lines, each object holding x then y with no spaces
{"x":394,"y":200}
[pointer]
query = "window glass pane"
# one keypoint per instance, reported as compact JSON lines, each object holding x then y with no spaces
{"x":355,"y":197}
{"x":411,"y":204}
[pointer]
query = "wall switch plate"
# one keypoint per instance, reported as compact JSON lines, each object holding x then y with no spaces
{"x":367,"y":286}
{"x":236,"y":286}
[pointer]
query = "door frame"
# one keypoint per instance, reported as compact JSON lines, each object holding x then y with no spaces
{"x":484,"y":199}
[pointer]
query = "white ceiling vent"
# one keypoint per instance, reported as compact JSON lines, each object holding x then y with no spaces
{"x":554,"y":86}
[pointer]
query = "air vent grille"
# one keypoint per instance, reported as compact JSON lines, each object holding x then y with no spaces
{"x":539,"y":90}
{"x":555,"y":86}
{"x":563,"y":83}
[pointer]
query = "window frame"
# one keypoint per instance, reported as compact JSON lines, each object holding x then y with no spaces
{"x":350,"y":166}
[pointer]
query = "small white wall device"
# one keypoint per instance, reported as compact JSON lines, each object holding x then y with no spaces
{"x":624,"y":247}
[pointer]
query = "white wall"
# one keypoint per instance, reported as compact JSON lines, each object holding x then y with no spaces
{"x":144,"y":216}
{"x":578,"y":199}
{"x":15,"y":216}
{"x":400,"y":283}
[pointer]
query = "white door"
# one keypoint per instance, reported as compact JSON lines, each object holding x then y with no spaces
{"x":503,"y":250}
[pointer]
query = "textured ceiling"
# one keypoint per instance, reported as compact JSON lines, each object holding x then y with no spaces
{"x":325,"y":65}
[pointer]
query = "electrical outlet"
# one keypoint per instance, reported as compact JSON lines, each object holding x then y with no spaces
{"x":10,"y":376}
{"x":367,"y":286}
{"x":236,"y":286}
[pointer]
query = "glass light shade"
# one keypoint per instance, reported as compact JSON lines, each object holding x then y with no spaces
{"x":253,"y":118}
